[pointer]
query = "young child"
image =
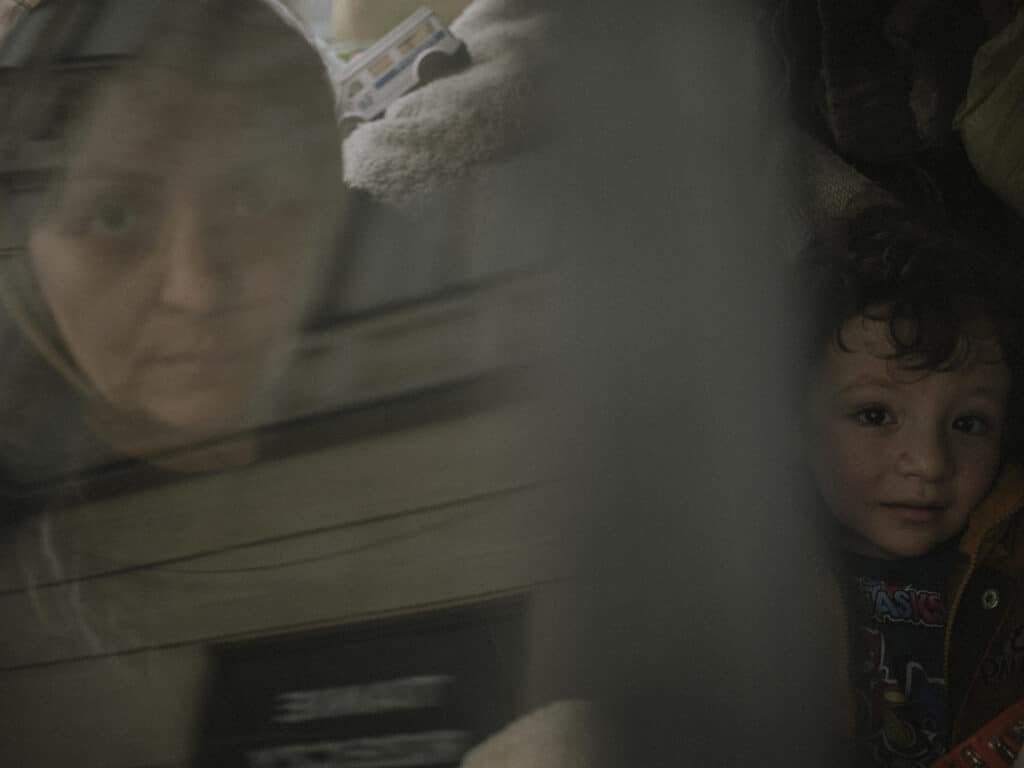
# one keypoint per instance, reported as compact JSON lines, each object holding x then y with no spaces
{"x":911,"y":417}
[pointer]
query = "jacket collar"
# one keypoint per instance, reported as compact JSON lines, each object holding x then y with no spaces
{"x":1005,"y":498}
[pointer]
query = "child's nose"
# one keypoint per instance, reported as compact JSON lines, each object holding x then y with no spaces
{"x":924,"y":453}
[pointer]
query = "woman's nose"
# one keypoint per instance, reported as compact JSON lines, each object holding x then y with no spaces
{"x":191,"y":278}
{"x":923,"y":453}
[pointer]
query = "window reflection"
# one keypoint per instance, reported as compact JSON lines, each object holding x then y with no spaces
{"x":184,"y":201}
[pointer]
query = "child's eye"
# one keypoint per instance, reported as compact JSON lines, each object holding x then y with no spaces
{"x":874,"y":416}
{"x":972,"y":424}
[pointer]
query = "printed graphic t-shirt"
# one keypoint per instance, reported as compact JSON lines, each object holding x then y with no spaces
{"x":899,"y":609}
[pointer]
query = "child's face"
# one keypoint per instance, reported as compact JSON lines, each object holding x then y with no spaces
{"x":902,"y":457}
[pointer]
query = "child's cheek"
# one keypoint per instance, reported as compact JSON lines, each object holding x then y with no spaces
{"x":842,"y":465}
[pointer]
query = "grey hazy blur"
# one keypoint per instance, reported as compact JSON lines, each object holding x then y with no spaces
{"x":676,"y":169}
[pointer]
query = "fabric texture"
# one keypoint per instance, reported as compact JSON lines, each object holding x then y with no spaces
{"x":893,"y":73}
{"x":878,"y":84}
{"x":988,"y":118}
{"x":831,"y":187}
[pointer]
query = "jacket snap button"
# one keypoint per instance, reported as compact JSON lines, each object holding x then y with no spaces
{"x":990,"y":599}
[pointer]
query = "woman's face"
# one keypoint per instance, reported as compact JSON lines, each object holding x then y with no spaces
{"x":175,"y":254}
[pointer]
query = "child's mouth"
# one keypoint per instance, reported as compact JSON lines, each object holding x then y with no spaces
{"x":914,"y":512}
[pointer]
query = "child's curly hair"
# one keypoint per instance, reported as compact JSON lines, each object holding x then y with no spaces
{"x":929,"y":284}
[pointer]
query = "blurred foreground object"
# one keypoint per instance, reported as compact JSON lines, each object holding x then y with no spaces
{"x":704,"y":636}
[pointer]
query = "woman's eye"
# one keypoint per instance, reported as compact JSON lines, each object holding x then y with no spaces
{"x":106,"y":217}
{"x":874,"y":416}
{"x":972,"y":424}
{"x":114,"y":219}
